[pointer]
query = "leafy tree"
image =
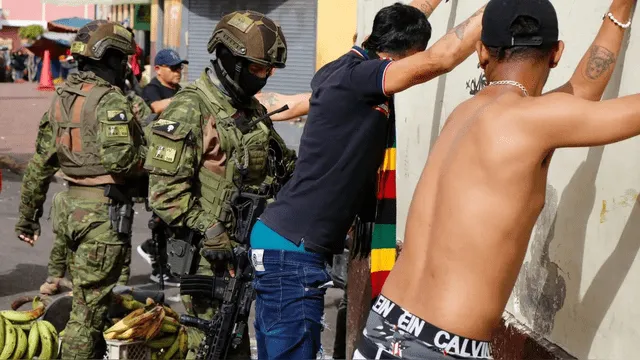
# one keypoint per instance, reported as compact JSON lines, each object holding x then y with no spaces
{"x":31,"y":32}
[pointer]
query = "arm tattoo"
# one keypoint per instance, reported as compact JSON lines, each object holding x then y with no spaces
{"x":427,"y":8}
{"x":270,"y":98}
{"x":600,"y":61}
{"x":460,"y":29}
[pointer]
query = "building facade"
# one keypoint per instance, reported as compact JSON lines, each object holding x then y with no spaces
{"x":15,"y":14}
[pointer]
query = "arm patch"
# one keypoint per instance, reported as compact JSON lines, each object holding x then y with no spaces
{"x":166,"y":126}
{"x":117,"y":115}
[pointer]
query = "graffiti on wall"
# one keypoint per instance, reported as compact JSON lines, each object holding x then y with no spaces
{"x":475,"y":85}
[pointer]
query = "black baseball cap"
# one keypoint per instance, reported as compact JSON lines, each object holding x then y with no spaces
{"x":499,"y":15}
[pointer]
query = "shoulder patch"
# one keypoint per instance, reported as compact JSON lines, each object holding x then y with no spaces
{"x":117,"y":115}
{"x":166,"y":126}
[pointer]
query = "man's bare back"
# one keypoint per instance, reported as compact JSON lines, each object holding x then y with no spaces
{"x":470,"y":221}
{"x":484,"y":183}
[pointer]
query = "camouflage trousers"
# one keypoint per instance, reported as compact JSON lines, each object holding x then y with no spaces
{"x":81,"y":218}
{"x":205,"y":308}
{"x":60,"y":259}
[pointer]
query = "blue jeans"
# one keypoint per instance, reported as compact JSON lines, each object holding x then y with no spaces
{"x":290,"y":288}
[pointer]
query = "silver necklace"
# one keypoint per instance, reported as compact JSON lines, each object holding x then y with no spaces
{"x":510,"y":82}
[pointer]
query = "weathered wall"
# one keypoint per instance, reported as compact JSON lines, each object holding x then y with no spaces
{"x":580,"y":278}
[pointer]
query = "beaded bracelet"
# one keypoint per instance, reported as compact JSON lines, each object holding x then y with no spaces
{"x":610,"y":15}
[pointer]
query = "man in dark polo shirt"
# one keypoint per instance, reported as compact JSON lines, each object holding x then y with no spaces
{"x":341,"y":149}
{"x":159,"y":91}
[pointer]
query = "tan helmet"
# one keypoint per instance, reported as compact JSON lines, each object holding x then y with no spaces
{"x":251,"y":35}
{"x":96,"y":37}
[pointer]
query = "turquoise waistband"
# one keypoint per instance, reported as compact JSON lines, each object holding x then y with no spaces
{"x":263,"y":237}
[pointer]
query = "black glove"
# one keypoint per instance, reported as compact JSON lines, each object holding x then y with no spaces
{"x":27,"y":227}
{"x":217,"y":246}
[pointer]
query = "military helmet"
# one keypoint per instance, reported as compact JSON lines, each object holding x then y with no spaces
{"x":96,"y":37}
{"x":251,"y":35}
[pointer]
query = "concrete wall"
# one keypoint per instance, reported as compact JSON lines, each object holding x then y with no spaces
{"x":580,"y":278}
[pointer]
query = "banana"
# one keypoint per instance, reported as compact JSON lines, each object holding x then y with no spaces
{"x":24,"y":326}
{"x":110,"y":336}
{"x":54,"y":335}
{"x":21,"y":347}
{"x":125,"y":335}
{"x":17,"y":303}
{"x":169,"y":325}
{"x":61,"y":334}
{"x":23,"y":316}
{"x":137,"y":327}
{"x":173,"y":349}
{"x":183,"y":342}
{"x":154,"y":355}
{"x":162,"y":342}
{"x":37,"y":302}
{"x":135,"y":333}
{"x":33,"y":341}
{"x":150,"y":301}
{"x":170,"y":312}
{"x":168,"y":328}
{"x":127,"y":301}
{"x":10,"y":341}
{"x":155,"y":325}
{"x":2,"y":332}
{"x":115,"y":321}
{"x":121,"y":325}
{"x":47,"y":341}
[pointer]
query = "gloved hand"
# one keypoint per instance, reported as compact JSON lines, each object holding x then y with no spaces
{"x":28,"y":230}
{"x":218,"y":248}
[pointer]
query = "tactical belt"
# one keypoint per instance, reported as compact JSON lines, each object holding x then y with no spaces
{"x":94,"y":192}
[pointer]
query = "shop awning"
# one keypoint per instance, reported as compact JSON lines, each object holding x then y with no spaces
{"x":67,"y":24}
{"x":56,"y":43}
{"x":94,"y":2}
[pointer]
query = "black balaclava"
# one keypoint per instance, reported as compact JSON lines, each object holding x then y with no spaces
{"x":111,"y":68}
{"x":235,"y":76}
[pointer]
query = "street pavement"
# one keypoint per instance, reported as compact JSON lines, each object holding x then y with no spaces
{"x":23,"y":268}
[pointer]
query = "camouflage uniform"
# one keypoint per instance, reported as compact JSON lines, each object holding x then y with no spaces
{"x":92,"y":136}
{"x":196,"y":149}
{"x":60,"y":256}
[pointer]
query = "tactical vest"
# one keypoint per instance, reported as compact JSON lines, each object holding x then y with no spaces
{"x":76,"y":128}
{"x":244,"y":151}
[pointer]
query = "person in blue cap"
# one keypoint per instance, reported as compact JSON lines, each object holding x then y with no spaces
{"x":168,"y":66}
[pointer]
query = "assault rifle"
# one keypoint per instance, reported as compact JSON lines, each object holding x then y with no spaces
{"x":245,"y":127}
{"x":228,"y":326}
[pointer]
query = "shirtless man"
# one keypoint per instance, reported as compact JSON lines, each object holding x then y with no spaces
{"x":484,"y":183}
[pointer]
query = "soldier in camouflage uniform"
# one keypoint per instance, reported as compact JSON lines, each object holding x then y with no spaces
{"x":60,"y":256}
{"x":92,"y":136}
{"x":196,"y":150}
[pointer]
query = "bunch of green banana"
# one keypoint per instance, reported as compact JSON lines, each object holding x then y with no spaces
{"x":144,"y":323}
{"x":42,"y":340}
{"x":167,"y":346}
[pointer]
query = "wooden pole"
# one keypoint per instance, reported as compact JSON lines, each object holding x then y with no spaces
{"x":358,"y":301}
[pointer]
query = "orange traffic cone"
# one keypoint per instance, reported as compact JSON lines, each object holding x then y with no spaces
{"x":46,"y":83}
